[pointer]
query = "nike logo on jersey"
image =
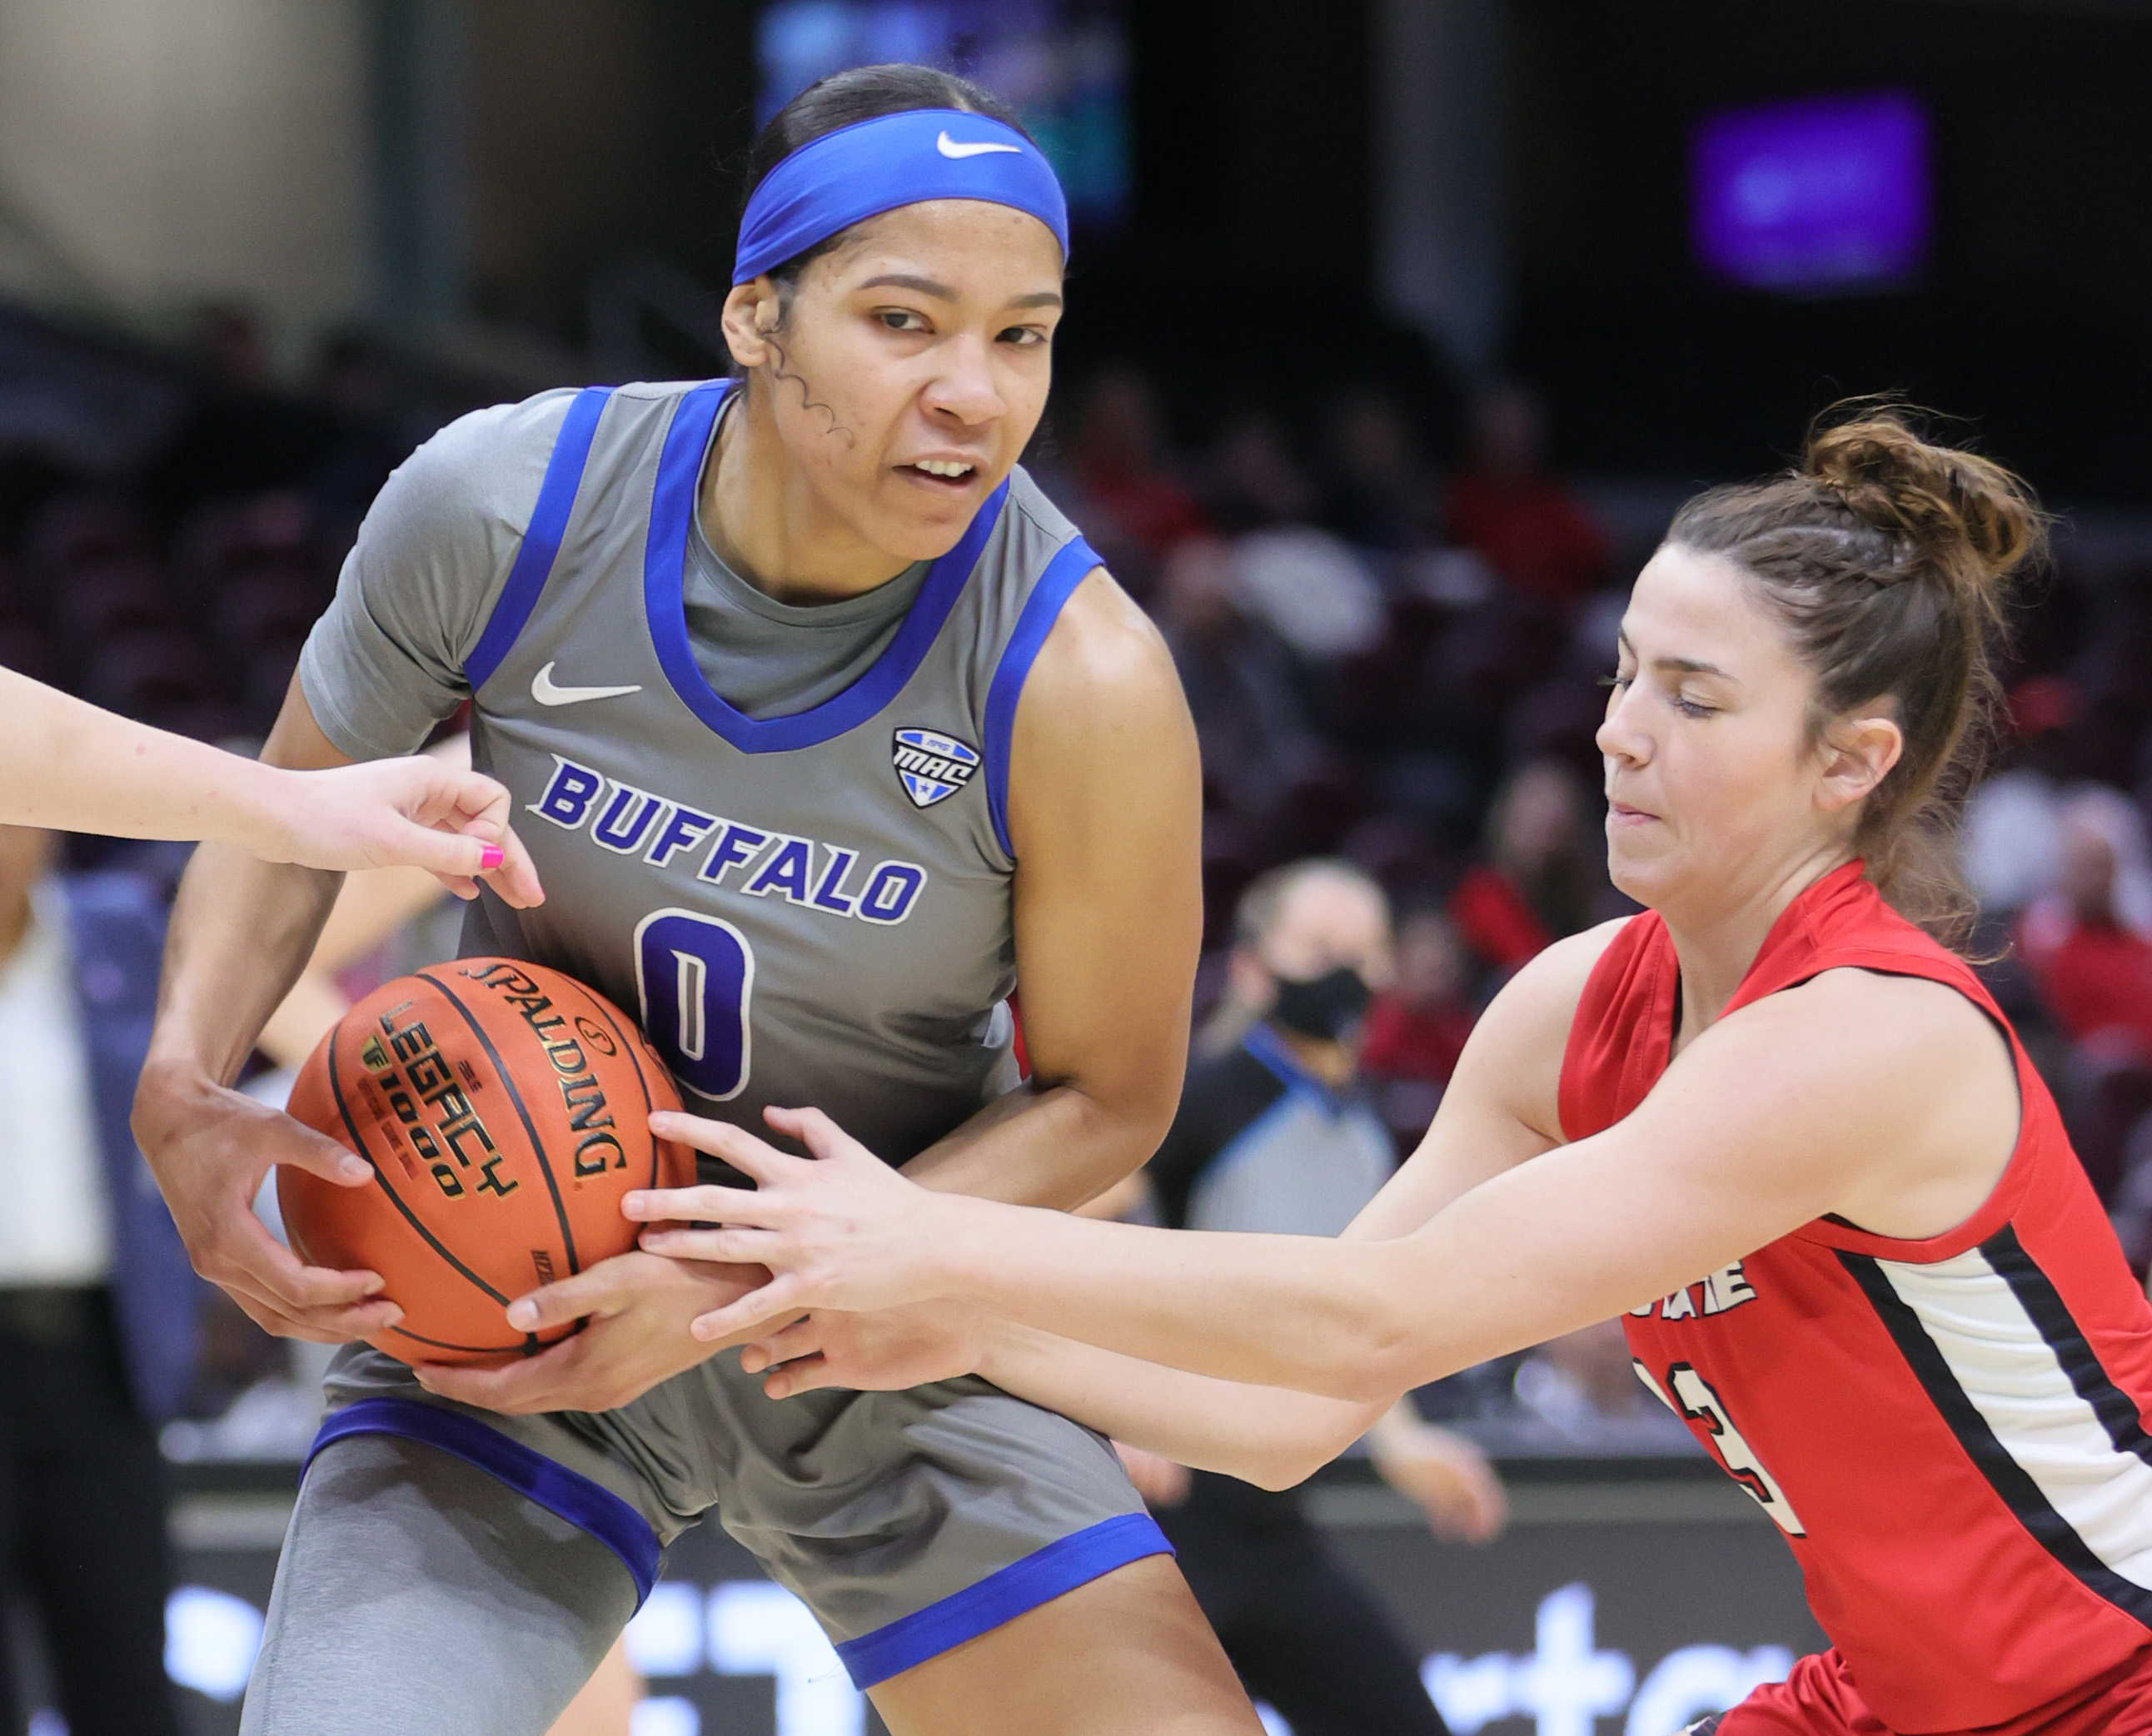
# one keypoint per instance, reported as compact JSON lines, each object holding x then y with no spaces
{"x":932,"y":767}
{"x":950,"y":148}
{"x":1723,"y":1289}
{"x":543,"y":690}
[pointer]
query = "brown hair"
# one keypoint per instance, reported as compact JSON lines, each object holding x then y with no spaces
{"x":1888,"y":558}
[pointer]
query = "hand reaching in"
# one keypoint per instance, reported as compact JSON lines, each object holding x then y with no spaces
{"x":1160,"y":1482}
{"x":883,"y":1352}
{"x":1442,"y":1474}
{"x":418,"y":811}
{"x":839,"y":1230}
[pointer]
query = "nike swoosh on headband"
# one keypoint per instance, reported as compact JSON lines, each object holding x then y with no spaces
{"x":912,"y":157}
{"x":950,"y":148}
{"x":543,"y":690}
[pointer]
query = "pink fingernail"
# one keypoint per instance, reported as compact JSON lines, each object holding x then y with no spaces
{"x":491,"y":858}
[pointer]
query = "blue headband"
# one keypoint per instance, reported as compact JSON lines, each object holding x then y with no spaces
{"x":872,"y":166}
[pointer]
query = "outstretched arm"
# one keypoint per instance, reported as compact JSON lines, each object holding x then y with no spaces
{"x":371,"y":906}
{"x":75,"y":768}
{"x":1498,"y":1112}
{"x":1812,"y":1101}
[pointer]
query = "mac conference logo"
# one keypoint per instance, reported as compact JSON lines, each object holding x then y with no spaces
{"x":931,"y":768}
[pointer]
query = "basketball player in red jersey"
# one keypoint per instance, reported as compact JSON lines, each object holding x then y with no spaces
{"x":1775,"y":1122}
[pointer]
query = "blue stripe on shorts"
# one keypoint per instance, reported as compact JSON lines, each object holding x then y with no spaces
{"x":1002,"y":1596}
{"x":566,"y":1493}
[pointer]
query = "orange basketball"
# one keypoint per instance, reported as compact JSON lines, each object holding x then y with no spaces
{"x":504,"y":1108}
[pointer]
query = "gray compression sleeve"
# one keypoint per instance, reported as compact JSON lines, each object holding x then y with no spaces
{"x":418,"y":1595}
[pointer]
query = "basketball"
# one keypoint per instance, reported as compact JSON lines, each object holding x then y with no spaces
{"x":504,"y":1110}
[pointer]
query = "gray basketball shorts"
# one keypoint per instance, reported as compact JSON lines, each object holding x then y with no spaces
{"x":908,"y":1522}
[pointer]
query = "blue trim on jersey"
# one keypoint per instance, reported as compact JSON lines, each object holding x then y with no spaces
{"x":541,"y":538}
{"x":1040,"y":1578}
{"x":566,"y":1493}
{"x":1068,"y":568}
{"x":1283,"y":1064}
{"x":1250,"y":1139}
{"x":671,"y":512}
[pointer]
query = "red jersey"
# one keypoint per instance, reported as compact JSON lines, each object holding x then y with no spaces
{"x":1949,"y":1432}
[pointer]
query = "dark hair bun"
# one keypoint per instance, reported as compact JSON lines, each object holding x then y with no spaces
{"x":1964,"y":517}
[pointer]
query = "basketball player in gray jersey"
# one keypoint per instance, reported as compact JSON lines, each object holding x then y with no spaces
{"x":825,"y":729}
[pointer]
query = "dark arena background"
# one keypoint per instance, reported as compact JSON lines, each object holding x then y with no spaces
{"x":1397,"y":329}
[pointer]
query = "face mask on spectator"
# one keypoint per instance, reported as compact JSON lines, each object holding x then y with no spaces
{"x":1325,"y":1007}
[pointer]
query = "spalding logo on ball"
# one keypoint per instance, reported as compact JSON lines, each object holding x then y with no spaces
{"x":504,"y":1109}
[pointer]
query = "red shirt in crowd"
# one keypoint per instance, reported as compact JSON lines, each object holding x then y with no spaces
{"x":1530,"y":532}
{"x":1494,"y":920}
{"x":2090,"y":976}
{"x":1400,"y":1040}
{"x":1154,"y":509}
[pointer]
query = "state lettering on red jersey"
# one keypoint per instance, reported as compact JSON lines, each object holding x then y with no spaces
{"x":1949,"y":1432}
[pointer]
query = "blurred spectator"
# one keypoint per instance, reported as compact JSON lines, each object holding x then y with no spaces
{"x":229,"y":344}
{"x":243,"y":434}
{"x":1544,"y":873}
{"x":1531,"y":529}
{"x":1132,"y":498}
{"x":2013,"y":838}
{"x":1381,"y":493}
{"x":1253,"y":479}
{"x":1584,"y":1385}
{"x":1417,"y":1028}
{"x":1309,"y":589}
{"x":2132,"y":1211}
{"x":2008,"y":841}
{"x":1238,"y":677}
{"x":2091,"y":971}
{"x":1274,"y":1136}
{"x":97,"y":1301}
{"x":351,"y":379}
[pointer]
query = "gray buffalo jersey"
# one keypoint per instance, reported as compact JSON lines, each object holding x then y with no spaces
{"x":804,"y":904}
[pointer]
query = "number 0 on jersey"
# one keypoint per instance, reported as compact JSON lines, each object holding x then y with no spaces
{"x":694,"y":976}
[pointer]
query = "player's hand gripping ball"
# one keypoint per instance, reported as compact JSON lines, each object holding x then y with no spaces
{"x":505,"y":1108}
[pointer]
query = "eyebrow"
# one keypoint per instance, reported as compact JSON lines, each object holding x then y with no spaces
{"x":943,"y":292}
{"x":905,"y":279}
{"x":1679,"y":665}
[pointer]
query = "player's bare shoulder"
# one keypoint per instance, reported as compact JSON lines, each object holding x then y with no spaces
{"x":1104,"y":665}
{"x":1890,"y":1039}
{"x":1103,"y":742}
{"x":1887,"y":1030}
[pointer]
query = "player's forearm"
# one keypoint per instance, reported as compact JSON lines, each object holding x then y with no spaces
{"x":1301,"y":1312}
{"x":1057,"y":1147}
{"x":1579,"y":1236}
{"x":241,"y":932}
{"x":1262,"y":1434}
{"x":76,"y":768}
